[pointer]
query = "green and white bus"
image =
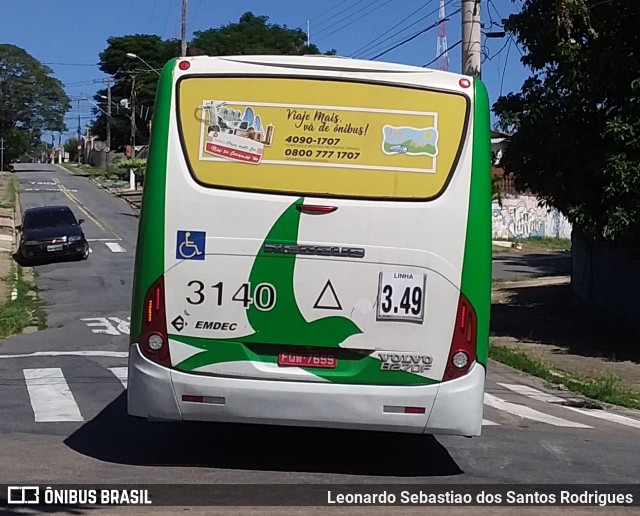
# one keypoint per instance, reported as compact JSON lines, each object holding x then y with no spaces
{"x":314,"y":246}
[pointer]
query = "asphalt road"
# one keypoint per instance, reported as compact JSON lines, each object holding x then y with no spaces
{"x":517,"y":266}
{"x":527,"y":438}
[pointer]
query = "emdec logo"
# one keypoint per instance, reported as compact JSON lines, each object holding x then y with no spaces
{"x":23,"y":494}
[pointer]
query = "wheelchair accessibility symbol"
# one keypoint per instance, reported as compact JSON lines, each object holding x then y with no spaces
{"x":190,"y":245}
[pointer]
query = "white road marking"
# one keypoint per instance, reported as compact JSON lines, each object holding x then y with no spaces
{"x":51,"y":399}
{"x":101,"y":325}
{"x":528,"y":413}
{"x":103,"y":239}
{"x":486,"y":422}
{"x":115,"y":247}
{"x":608,"y":416}
{"x":87,"y":353}
{"x":532,"y":393}
{"x":121,"y":374}
{"x":105,"y":325}
{"x":597,"y":413}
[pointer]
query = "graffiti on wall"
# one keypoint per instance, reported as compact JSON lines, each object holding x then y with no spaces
{"x":522,"y":217}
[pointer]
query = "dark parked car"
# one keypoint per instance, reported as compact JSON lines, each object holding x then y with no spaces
{"x":50,"y":232}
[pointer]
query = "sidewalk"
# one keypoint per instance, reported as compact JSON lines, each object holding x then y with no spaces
{"x":540,"y":317}
{"x":7,"y":234}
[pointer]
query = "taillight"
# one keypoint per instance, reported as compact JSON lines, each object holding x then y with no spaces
{"x":463,"y":345}
{"x":154,"y":343}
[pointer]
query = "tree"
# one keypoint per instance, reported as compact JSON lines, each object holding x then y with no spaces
{"x":252,"y":35}
{"x":30,"y":101}
{"x":115,"y":62}
{"x":577,"y":117}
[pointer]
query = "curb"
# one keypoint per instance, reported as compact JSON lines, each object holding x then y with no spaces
{"x":118,"y":194}
{"x":533,"y":282}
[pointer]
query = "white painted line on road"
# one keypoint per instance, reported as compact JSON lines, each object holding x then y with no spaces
{"x":51,"y":399}
{"x":597,"y":413}
{"x":115,"y":247}
{"x":87,"y":353}
{"x":90,"y":250}
{"x":121,"y":374}
{"x":486,"y":422}
{"x":608,"y":416}
{"x":532,"y":393}
{"x":528,"y":412}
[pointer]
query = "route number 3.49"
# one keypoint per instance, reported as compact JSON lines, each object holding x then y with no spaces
{"x":263,"y":298}
{"x":401,"y":296}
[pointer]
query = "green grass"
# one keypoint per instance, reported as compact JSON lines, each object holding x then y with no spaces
{"x":604,"y":388}
{"x":25,"y":310}
{"x":535,"y":244}
{"x":552,"y":244}
{"x":10,"y":194}
{"x":85,"y":170}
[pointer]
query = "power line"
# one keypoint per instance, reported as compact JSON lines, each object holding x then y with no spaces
{"x":410,"y":38}
{"x":443,"y":53}
{"x":370,"y":50}
{"x":325,"y":12}
{"x":339,"y":13}
{"x":387,"y":32}
{"x":367,"y":13}
{"x":504,"y":70}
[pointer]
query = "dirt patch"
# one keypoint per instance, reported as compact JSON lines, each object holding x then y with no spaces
{"x":541,"y":318}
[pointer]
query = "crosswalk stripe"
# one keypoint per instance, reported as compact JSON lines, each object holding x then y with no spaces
{"x":601,"y":414}
{"x":51,"y":399}
{"x":597,"y":413}
{"x":121,"y":374}
{"x":115,"y":247}
{"x":529,"y":413}
{"x":532,"y":393}
{"x":486,"y":422}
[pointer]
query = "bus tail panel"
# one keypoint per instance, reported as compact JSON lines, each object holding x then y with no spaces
{"x":452,"y":408}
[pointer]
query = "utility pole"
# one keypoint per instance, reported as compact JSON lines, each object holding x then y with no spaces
{"x":108,"y":159}
{"x":79,"y":133}
{"x":1,"y":155}
{"x":471,"y":44}
{"x":132,"y":106}
{"x":183,"y":51}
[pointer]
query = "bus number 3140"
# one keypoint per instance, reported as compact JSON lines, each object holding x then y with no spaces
{"x":263,"y":298}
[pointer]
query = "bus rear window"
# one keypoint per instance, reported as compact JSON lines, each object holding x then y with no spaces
{"x":320,"y":137}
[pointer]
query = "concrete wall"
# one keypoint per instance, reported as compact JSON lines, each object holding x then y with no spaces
{"x":606,"y":278}
{"x":521,"y":217}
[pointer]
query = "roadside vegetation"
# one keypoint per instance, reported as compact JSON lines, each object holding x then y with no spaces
{"x":83,"y":170}
{"x":9,"y":192}
{"x":535,"y":244}
{"x":604,"y":388}
{"x":22,"y":308}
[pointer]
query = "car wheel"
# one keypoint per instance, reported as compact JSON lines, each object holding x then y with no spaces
{"x":85,"y":253}
{"x":23,"y":259}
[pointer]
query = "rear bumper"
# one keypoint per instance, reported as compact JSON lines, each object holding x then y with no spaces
{"x":453,"y":408}
{"x":37,"y":251}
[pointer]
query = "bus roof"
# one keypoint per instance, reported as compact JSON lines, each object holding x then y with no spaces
{"x":321,"y":61}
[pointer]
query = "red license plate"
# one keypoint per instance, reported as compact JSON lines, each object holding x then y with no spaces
{"x":307,"y":359}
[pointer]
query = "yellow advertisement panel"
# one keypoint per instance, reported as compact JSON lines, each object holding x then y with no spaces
{"x":320,"y":137}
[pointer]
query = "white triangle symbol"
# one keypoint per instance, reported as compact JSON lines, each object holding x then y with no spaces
{"x":328,"y":300}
